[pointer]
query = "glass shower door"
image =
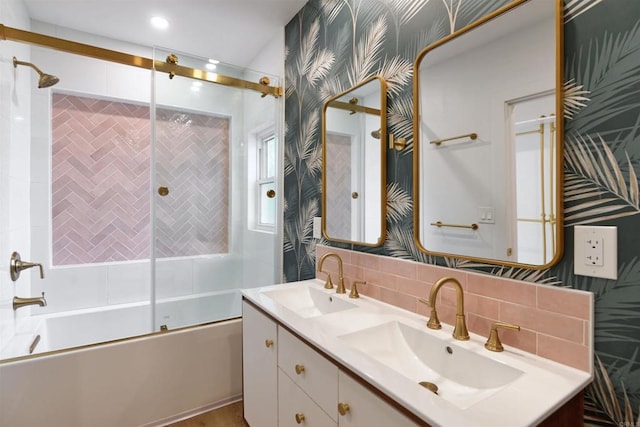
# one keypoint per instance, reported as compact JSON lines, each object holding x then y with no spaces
{"x":214,"y":232}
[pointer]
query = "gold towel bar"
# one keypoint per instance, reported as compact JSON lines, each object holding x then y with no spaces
{"x":440,"y":141}
{"x":439,"y":224}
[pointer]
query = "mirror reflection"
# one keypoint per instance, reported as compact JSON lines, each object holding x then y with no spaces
{"x":353,"y":164}
{"x":488,"y":152}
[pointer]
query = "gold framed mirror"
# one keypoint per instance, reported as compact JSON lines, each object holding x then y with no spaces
{"x":354,"y":133}
{"x":488,"y":134}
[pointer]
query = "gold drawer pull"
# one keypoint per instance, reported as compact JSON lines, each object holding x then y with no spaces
{"x":268,"y":343}
{"x":299,"y":369}
{"x":299,"y":418}
{"x":343,"y":408}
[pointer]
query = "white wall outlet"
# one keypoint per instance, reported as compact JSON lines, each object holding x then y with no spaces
{"x":317,"y":227}
{"x":596,"y":251}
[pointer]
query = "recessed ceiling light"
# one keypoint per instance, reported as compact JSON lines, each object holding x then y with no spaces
{"x":214,"y":61}
{"x":160,"y":23}
{"x":210,"y":66}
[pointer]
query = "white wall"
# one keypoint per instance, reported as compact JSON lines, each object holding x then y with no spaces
{"x":262,"y":249}
{"x":15,"y":122}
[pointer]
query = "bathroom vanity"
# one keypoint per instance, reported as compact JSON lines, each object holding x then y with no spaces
{"x":316,"y":358}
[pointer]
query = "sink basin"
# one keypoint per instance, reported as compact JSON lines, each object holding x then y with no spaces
{"x":462,"y":377}
{"x":309,"y":302}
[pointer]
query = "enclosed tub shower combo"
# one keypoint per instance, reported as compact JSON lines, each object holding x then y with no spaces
{"x":150,"y":201}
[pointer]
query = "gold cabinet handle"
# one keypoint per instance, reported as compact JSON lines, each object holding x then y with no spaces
{"x":299,"y":418}
{"x":299,"y":369}
{"x":271,"y":194}
{"x":343,"y":408}
{"x":355,"y":195}
{"x":268,"y":343}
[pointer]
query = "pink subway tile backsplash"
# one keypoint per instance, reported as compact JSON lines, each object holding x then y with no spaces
{"x":556,"y":323}
{"x":568,"y":303}
{"x":398,"y":267}
{"x":500,"y":288}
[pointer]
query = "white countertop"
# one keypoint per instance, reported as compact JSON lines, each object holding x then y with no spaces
{"x":540,"y":390}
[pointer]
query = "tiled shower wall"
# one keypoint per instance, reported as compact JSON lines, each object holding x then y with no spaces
{"x":15,"y":124}
{"x":556,"y":323}
{"x":101,"y":181}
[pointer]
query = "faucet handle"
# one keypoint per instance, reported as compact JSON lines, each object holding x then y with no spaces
{"x":16,"y":265}
{"x":354,"y":288}
{"x":434,"y":322}
{"x":493,"y":342}
{"x":328,"y":284}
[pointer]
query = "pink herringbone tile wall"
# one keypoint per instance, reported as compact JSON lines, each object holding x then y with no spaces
{"x":556,"y":323}
{"x":101,"y":182}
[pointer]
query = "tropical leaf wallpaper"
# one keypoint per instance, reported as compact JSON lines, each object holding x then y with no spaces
{"x":332,"y":45}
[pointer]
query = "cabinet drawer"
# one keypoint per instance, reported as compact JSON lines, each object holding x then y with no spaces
{"x":294,"y":402}
{"x":314,"y":374}
{"x":365,"y":408}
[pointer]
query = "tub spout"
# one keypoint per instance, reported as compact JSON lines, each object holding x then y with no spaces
{"x":23,"y":302}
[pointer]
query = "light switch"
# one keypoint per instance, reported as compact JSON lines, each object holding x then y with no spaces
{"x":317,"y":227}
{"x":486,"y":215}
{"x":596,"y":251}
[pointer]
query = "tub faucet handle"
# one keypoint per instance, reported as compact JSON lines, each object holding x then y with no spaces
{"x":16,"y":265}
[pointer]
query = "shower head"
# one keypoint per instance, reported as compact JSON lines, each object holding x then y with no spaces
{"x":46,"y":80}
{"x":376,"y":133}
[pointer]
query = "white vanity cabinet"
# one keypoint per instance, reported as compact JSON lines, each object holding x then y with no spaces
{"x":260,"y":370}
{"x":314,"y":374}
{"x":296,"y":408}
{"x":359,"y":406}
{"x":290,"y":384}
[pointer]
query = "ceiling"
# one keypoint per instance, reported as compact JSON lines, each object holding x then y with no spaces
{"x":232,"y":31}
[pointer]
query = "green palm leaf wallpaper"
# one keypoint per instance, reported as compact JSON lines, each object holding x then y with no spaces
{"x":332,"y":45}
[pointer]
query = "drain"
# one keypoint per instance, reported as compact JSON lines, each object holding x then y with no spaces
{"x":429,"y":386}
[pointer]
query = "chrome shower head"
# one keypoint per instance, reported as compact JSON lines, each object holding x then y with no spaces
{"x":376,"y":133}
{"x":46,"y":80}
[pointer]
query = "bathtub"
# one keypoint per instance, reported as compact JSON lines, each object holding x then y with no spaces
{"x":149,"y":380}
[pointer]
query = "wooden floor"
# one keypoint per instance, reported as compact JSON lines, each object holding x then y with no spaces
{"x":227,"y":416}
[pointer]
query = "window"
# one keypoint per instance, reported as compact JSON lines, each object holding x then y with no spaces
{"x":266,"y":180}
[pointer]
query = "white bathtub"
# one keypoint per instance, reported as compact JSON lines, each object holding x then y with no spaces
{"x":102,"y":324}
{"x":150,"y":380}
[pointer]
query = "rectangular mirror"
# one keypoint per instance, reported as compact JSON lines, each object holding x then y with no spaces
{"x":354,"y":132}
{"x":488,"y":139}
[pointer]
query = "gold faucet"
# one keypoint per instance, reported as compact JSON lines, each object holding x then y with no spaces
{"x":460,"y":331}
{"x":328,"y":284}
{"x":23,"y":302}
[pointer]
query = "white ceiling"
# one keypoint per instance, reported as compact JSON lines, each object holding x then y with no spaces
{"x":232,"y":31}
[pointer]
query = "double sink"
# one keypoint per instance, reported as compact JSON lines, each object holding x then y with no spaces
{"x":459,"y":375}
{"x":440,"y":379}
